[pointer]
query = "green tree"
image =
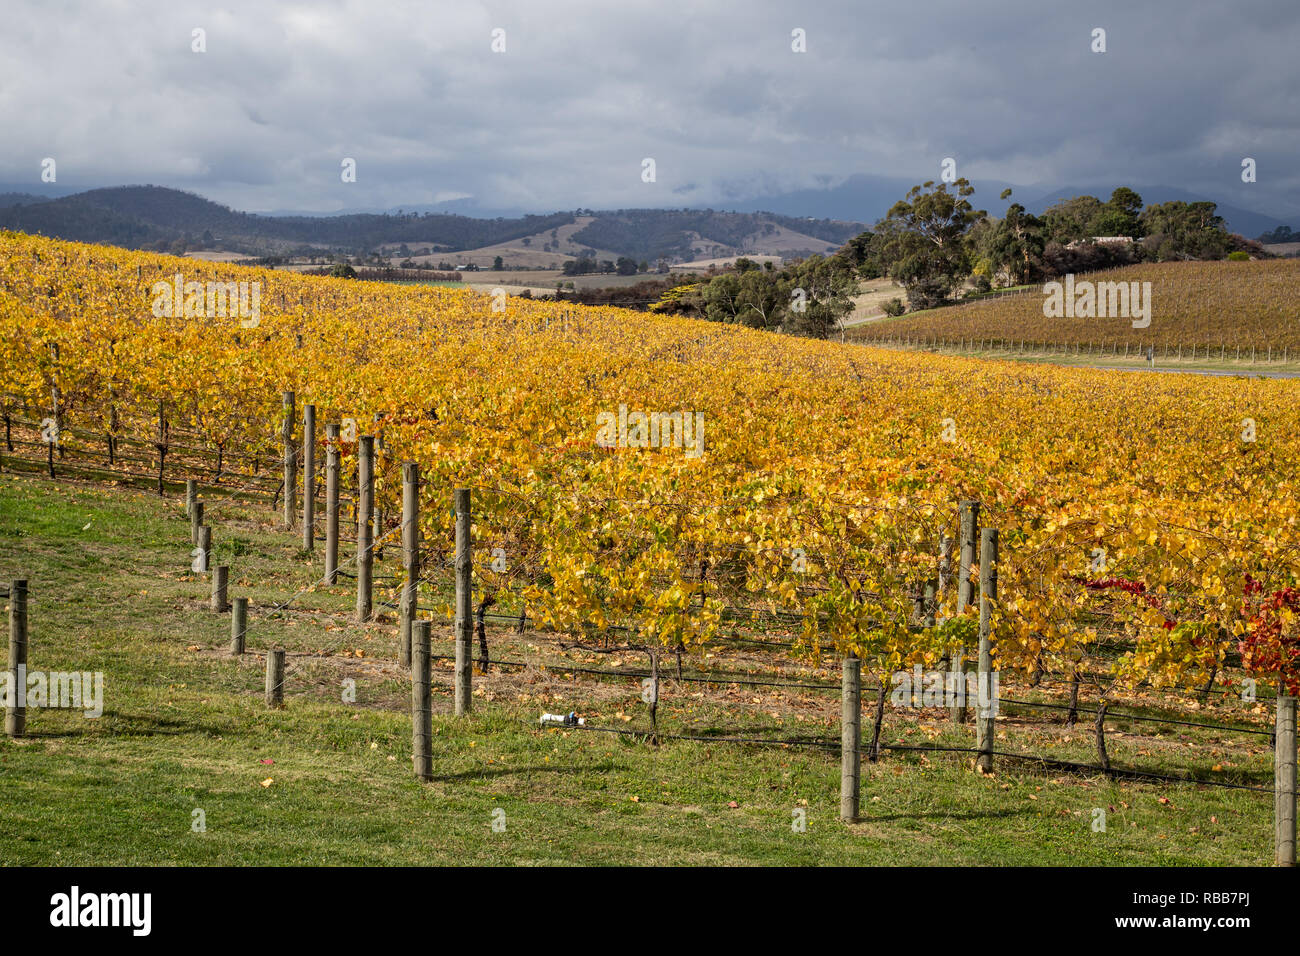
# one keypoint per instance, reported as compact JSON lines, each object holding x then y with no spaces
{"x":1180,"y":229}
{"x":1119,"y":216}
{"x":750,"y":298}
{"x":1071,"y":219}
{"x":857,"y":253}
{"x":920,"y":243}
{"x":1018,"y":240}
{"x":818,"y":295}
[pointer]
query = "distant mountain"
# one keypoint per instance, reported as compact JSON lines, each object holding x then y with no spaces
{"x":18,"y":199}
{"x":866,"y":198}
{"x":790,"y":225}
{"x":35,"y":191}
{"x":461,"y":207}
{"x":156,"y":217}
{"x":684,"y":234}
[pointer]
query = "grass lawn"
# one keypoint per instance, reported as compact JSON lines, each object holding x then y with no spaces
{"x":327,"y":782}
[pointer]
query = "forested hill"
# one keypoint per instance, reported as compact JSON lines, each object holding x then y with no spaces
{"x":159,"y":218}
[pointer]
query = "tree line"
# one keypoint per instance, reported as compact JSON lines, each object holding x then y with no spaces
{"x":937,"y":246}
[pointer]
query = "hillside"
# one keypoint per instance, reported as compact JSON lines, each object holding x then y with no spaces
{"x":599,"y":560}
{"x":154,"y":217}
{"x":689,"y":234}
{"x":1192,"y":303}
{"x":158,"y":218}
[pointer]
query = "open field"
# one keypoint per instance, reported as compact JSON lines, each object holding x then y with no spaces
{"x":543,"y":282}
{"x":525,"y":252}
{"x":1215,"y":304}
{"x":869,"y":303}
{"x":1283,"y":248}
{"x":213,"y":256}
{"x":700,"y":265}
{"x":329,"y":783}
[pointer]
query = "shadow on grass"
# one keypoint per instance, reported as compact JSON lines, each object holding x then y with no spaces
{"x":130,"y":725}
{"x":940,"y":815}
{"x":485,"y":774}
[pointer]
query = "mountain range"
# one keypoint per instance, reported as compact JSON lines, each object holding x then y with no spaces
{"x":787,"y":224}
{"x":156,"y":217}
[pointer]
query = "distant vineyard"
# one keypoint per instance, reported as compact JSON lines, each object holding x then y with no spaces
{"x":396,"y":275}
{"x":819,"y":485}
{"x":1222,"y":305}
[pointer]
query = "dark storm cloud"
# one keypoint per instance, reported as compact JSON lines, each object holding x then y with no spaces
{"x":585,"y":91}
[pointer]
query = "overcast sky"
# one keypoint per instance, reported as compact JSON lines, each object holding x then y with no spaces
{"x":584,"y":91}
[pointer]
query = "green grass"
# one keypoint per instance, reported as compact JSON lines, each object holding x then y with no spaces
{"x":185,"y":729}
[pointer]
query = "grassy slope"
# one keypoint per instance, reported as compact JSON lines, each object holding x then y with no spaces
{"x":185,"y":728}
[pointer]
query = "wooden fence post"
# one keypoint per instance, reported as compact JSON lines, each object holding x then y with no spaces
{"x":1284,"y":781}
{"x":275,"y":677}
{"x":987,"y":688}
{"x":421,"y":702}
{"x":290,"y":463}
{"x":464,"y":604}
{"x":162,"y":445}
{"x":377,"y":517}
{"x":220,"y":580}
{"x":969,"y":541}
{"x":16,"y":716}
{"x":970,"y":511}
{"x":196,"y":522}
{"x":1099,"y":732}
{"x":850,"y":737}
{"x":205,"y":545}
{"x":366,"y":503}
{"x":410,"y":555}
{"x":945,"y":565}
{"x":191,"y":494}
{"x":332,"y":504}
{"x":238,"y":626}
{"x":308,"y":477}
